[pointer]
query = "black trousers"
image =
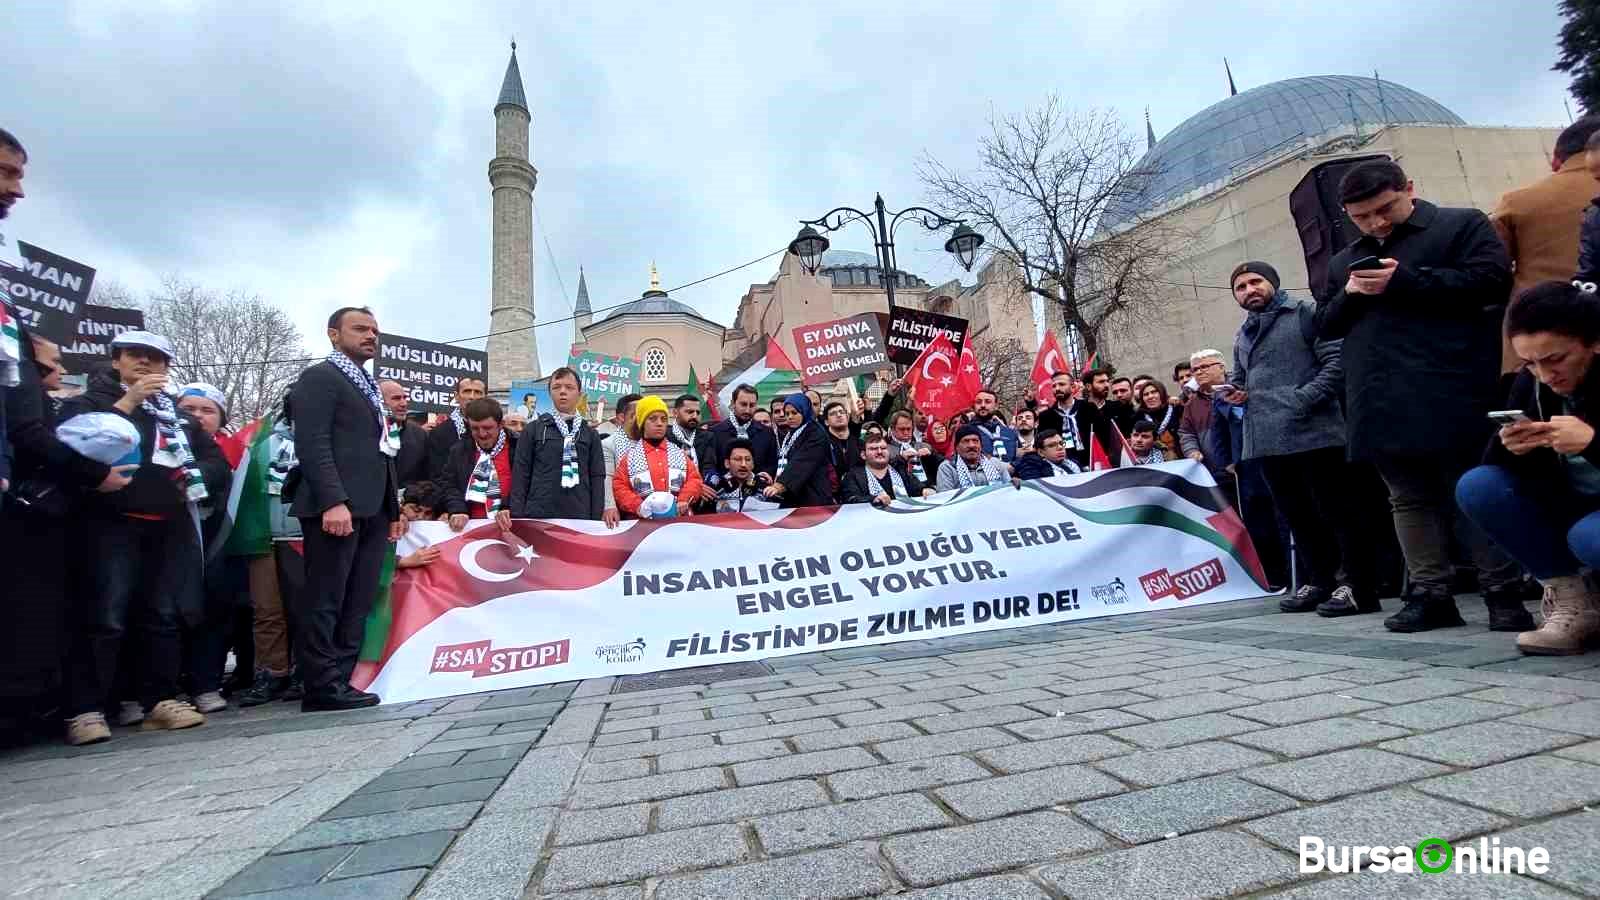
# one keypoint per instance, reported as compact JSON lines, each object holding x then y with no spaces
{"x":341,"y":586}
{"x":1315,"y":493}
{"x":134,"y":572}
{"x":33,"y":642}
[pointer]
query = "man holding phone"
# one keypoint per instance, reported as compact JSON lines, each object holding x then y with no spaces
{"x":1417,"y":300}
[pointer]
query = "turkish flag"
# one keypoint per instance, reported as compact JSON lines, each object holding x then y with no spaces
{"x":1049,"y":361}
{"x":939,"y":384}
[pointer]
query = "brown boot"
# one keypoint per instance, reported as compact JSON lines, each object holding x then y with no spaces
{"x":88,"y":728}
{"x":1571,"y":620}
{"x":172,"y":715}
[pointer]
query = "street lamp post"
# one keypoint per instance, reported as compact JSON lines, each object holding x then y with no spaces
{"x":810,"y":244}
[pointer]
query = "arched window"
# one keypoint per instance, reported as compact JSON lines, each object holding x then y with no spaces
{"x":655,"y":365}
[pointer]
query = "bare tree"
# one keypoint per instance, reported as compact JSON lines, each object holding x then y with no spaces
{"x":245,"y":346}
{"x":1042,"y":186}
{"x":113,"y":293}
{"x":1005,"y":367}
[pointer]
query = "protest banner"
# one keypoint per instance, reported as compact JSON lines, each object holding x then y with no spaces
{"x":529,"y":399}
{"x":92,"y":345}
{"x":563,"y":600}
{"x":427,"y":370}
{"x":602,"y":377}
{"x":911,"y":330}
{"x":840,"y":348}
{"x":50,"y":292}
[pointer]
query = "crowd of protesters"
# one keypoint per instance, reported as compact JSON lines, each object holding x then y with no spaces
{"x":1389,"y":377}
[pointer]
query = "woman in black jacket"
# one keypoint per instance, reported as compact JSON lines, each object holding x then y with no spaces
{"x":1538,"y":494}
{"x":803,"y":464}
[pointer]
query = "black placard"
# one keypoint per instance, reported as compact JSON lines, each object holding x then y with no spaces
{"x":429,"y":371}
{"x":911,"y":330}
{"x":50,"y":292}
{"x":95,"y":331}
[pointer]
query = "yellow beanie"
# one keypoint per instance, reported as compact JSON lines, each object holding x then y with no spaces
{"x":646,"y":406}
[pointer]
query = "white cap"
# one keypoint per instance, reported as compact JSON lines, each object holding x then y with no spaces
{"x":147,"y":339}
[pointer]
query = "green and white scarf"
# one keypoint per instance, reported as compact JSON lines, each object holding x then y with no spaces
{"x":172,"y":446}
{"x":569,"y":447}
{"x":484,"y":486}
{"x":282,"y":459}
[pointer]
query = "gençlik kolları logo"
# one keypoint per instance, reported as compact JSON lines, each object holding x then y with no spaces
{"x":631,"y":652}
{"x":1112,"y":593}
{"x":480,"y":658}
{"x":1161,"y":584}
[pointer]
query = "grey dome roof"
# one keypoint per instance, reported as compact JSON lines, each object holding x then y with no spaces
{"x":653,"y":302}
{"x":1233,"y":136}
{"x":839,"y":259}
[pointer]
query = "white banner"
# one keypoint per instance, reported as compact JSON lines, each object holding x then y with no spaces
{"x":563,"y":600}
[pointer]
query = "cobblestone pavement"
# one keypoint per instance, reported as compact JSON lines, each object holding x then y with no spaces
{"x":1173,"y":754}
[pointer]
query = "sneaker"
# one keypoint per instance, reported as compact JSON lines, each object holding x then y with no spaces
{"x":171,"y":715}
{"x":1304,"y":600}
{"x":1506,"y":612}
{"x":296,"y":689}
{"x":267,"y":688}
{"x":210,"y":702}
{"x":1425,"y":611}
{"x":88,"y":728}
{"x":1346,"y":601}
{"x":1571,"y":620}
{"x":129,"y":712}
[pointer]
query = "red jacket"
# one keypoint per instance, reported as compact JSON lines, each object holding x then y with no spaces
{"x":627,"y":494}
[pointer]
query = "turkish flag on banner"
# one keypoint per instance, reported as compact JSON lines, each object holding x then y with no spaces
{"x":939,"y":386}
{"x":1046,"y":364}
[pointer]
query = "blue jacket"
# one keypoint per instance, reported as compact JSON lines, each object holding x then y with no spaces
{"x":1224,"y":440}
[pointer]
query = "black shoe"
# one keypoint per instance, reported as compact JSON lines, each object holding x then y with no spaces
{"x":1347,"y":601}
{"x":1304,"y":600}
{"x":1425,"y":611}
{"x":267,"y":688}
{"x":360,"y":693}
{"x":340,"y":698}
{"x":296,"y":690}
{"x":1506,"y":612}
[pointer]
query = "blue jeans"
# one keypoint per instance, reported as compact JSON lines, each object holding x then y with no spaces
{"x":1551,"y":538}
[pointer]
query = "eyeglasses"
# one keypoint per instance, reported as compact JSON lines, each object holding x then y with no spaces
{"x":1207,"y":366}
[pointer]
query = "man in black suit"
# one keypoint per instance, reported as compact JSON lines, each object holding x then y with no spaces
{"x":347,"y":505}
{"x":411,"y":463}
{"x":743,"y":425}
{"x":453,"y":430}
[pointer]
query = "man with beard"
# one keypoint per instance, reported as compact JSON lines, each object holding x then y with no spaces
{"x":348,"y":504}
{"x":685,"y":432}
{"x":1069,"y":417}
{"x":411,"y":462}
{"x":453,"y":430}
{"x":999,"y":439}
{"x":1025,"y":423}
{"x":971,"y":467}
{"x":477,"y":479}
{"x":742,"y":425}
{"x":560,"y":469}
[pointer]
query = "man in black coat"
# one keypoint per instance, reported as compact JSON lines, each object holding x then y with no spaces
{"x":488,"y":440}
{"x":742,"y":424}
{"x":685,"y":431}
{"x":1073,"y":418}
{"x":1418,"y":300}
{"x":560,"y":467}
{"x":141,"y":555}
{"x":453,"y":429}
{"x":348,"y":505}
{"x":411,"y":461}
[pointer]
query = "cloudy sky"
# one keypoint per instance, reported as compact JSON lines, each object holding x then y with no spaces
{"x":335,"y":153}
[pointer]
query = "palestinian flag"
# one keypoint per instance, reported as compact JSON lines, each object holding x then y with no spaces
{"x":771,"y":373}
{"x":246,"y":528}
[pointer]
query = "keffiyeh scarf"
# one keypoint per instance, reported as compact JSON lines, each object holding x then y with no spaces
{"x":876,"y":487}
{"x":484,"y":486}
{"x":639,"y":468}
{"x":681,"y":437}
{"x":569,"y":448}
{"x":172,"y":445}
{"x":993,"y":472}
{"x":742,"y":429}
{"x":459,"y":421}
{"x":282,"y":459}
{"x":788,"y":442}
{"x":388,"y":431}
{"x":10,"y":347}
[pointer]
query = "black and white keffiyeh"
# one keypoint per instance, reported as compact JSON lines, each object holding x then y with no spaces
{"x":876,"y":487}
{"x":459,"y":422}
{"x":388,"y":432}
{"x":484,"y":486}
{"x":682,"y":438}
{"x":569,"y":429}
{"x":993,"y":471}
{"x":172,"y":449}
{"x":742,"y":429}
{"x":281,"y":459}
{"x":788,"y":443}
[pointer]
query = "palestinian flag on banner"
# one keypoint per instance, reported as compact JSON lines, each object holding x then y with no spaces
{"x":376,"y":634}
{"x":246,"y":526}
{"x":771,"y":373}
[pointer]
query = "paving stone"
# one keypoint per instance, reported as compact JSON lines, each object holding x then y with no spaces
{"x":619,"y":720}
{"x":370,"y":804}
{"x":1423,"y":886}
{"x":633,"y":858}
{"x":371,"y":828}
{"x":388,"y":886}
{"x":896,"y":713}
{"x":1015,"y":696}
{"x":1331,"y":775}
{"x":739,"y":803}
{"x":652,"y":787}
{"x":1589,"y":753}
{"x":976,"y":718}
{"x":942,"y":744}
{"x":801,"y":765}
{"x":1523,"y":697}
{"x":1527,"y":788}
{"x":1192,"y":704}
{"x":968,"y":850}
{"x":1149,"y":815}
{"x":1574,"y":845}
{"x":1008,"y":794}
{"x":1176,"y":732}
{"x":468,"y":731}
{"x":1075,"y":686}
{"x":710,"y":726}
{"x":1214,"y":864}
{"x":1166,"y":689}
{"x":650,"y":748}
{"x":585,"y":826}
{"x":861,"y":734}
{"x":1286,"y":672}
{"x":493,"y":858}
{"x":1284,"y":690}
{"x":923,"y":694}
{"x":828,"y":875}
{"x":1082,"y":702}
{"x":1304,"y":709}
{"x":619,"y":738}
{"x":719,"y":755}
{"x":455,"y":792}
{"x":1157,"y":767}
{"x":906,"y":776}
{"x":1481,"y":743}
{"x":1440,"y":712}
{"x":599,"y":773}
{"x":1389,"y":818}
{"x":841,"y":822}
{"x":541,"y":778}
{"x":995,"y":887}
{"x":1579,"y":718}
{"x":477,"y":743}
{"x":1320,"y":736}
{"x":1032,"y":755}
{"x":285,"y":870}
{"x":1407,"y":690}
{"x":429,"y":761}
{"x":412,"y":851}
{"x":820,"y":710}
{"x":777,"y":730}
{"x":759,"y":706}
{"x":1073,"y":723}
{"x":395,"y":781}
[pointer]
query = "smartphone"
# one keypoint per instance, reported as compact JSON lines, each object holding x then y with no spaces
{"x":1505,"y":417}
{"x":1366,"y":263}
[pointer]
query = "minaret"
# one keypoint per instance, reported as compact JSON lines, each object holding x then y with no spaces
{"x":512,"y":179}
{"x":582,"y":315}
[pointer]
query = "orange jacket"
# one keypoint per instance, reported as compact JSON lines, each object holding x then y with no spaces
{"x":628,"y":499}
